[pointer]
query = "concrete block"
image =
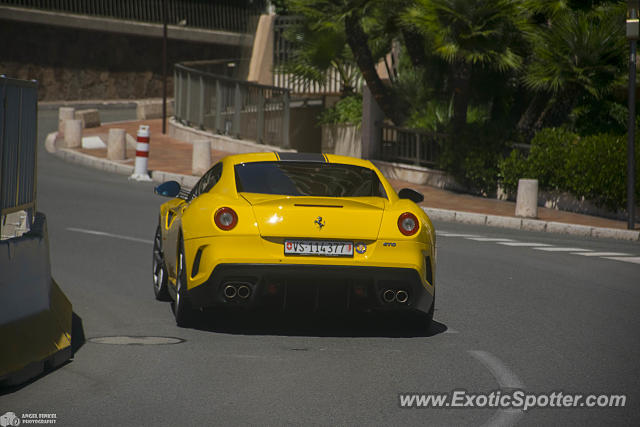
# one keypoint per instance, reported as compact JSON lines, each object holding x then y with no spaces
{"x":534,"y":225}
{"x":90,"y":118}
{"x":152,"y":109}
{"x":72,"y":133}
{"x":201,"y":157}
{"x":440,"y":214}
{"x":471,"y":218}
{"x":504,"y":222}
{"x":527,"y":198}
{"x":614,"y":233}
{"x":576,"y":230}
{"x":64,"y":114}
{"x":117,"y":144}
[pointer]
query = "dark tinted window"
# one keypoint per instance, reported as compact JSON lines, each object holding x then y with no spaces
{"x":308,"y":179}
{"x":208,"y":180}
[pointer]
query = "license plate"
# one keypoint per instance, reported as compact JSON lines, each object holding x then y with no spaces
{"x":318,"y":248}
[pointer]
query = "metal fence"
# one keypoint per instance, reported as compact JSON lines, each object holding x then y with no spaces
{"x":232,"y":107}
{"x":226,"y":15}
{"x":18,"y":146}
{"x":415,"y":147}
{"x":283,"y":52}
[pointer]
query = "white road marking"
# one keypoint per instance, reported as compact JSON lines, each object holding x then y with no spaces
{"x":522,"y":244}
{"x":459,"y":235}
{"x":635,"y":260}
{"x":554,"y":249}
{"x":115,"y":236}
{"x":489,"y":239}
{"x":451,"y":331}
{"x":602,"y":254}
{"x":507,"y":380}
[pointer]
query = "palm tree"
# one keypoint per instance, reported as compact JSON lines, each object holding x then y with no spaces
{"x":469,"y":35}
{"x":577,"y":56}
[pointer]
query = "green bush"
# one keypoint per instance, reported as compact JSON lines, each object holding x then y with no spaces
{"x":346,"y":111}
{"x":593,"y":167}
{"x":472,"y":157}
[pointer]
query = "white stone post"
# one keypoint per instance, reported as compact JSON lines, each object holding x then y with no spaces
{"x":72,"y":133}
{"x":527,"y":198}
{"x":64,"y":113}
{"x":117,"y":144}
{"x":201,"y":159}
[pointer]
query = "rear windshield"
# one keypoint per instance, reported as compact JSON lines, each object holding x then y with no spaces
{"x":308,"y":179}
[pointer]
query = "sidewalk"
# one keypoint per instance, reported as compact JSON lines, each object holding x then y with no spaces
{"x":171,"y":155}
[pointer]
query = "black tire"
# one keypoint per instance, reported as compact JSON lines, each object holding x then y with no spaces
{"x":159,"y":269}
{"x":182,"y":309}
{"x":428,"y":318}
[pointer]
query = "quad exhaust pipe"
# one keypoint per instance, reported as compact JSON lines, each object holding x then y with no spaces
{"x":232,"y":290}
{"x":389,"y":295}
{"x":400,"y":296}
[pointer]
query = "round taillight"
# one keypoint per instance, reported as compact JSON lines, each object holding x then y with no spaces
{"x":408,"y":224}
{"x":225,"y":218}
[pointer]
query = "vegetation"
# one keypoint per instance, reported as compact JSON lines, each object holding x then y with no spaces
{"x":489,"y":73}
{"x":589,"y":166}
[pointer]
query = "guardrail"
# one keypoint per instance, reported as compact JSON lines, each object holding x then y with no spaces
{"x":232,"y":107}
{"x":18,"y":146}
{"x":410,"y":146}
{"x":226,"y":15}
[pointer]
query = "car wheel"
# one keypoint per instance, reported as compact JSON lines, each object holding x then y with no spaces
{"x":182,"y":307}
{"x":159,"y":269}
{"x":428,"y":318}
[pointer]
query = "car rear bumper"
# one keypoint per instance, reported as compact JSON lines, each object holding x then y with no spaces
{"x":300,"y":287}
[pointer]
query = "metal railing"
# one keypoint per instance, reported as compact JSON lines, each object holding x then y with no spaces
{"x":225,"y":15}
{"x":18,"y":146}
{"x":283,"y":52}
{"x":410,"y":146}
{"x":232,"y":107}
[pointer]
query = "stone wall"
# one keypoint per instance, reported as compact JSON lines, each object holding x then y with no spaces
{"x":74,"y":64}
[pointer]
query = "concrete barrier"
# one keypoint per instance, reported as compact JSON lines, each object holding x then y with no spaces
{"x":117,"y":144}
{"x":201,"y":158}
{"x":35,"y":316}
{"x":527,"y":198}
{"x":72,"y":133}
{"x":90,"y":118}
{"x":64,"y":114}
{"x":152,"y":109}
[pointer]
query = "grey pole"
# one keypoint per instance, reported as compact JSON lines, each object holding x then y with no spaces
{"x":164,"y":67}
{"x":633,"y":28}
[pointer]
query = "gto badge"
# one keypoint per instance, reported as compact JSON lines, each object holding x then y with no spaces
{"x":320,"y":222}
{"x":361,"y":248}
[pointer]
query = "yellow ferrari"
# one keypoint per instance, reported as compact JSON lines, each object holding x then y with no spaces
{"x":293,"y":231}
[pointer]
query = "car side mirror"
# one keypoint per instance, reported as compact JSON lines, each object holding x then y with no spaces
{"x":168,"y":189}
{"x":413,"y":195}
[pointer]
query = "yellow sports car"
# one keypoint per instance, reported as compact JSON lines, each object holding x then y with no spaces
{"x":293,"y":231}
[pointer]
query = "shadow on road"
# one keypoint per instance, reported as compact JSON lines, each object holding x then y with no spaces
{"x":362,"y":325}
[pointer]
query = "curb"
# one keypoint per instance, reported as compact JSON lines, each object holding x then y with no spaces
{"x":434,"y":213}
{"x":110,"y":165}
{"x":531,"y":224}
{"x":102,"y":104}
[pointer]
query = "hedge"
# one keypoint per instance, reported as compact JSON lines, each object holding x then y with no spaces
{"x":593,"y":167}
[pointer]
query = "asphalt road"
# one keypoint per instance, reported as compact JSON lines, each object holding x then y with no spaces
{"x":508,"y":317}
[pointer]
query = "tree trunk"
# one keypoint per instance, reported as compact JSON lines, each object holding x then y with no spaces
{"x":461,"y":93}
{"x":527,"y":123}
{"x":358,"y":42}
{"x":415,"y":48}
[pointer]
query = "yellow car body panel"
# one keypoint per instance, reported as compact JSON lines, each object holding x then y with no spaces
{"x":265,"y":221}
